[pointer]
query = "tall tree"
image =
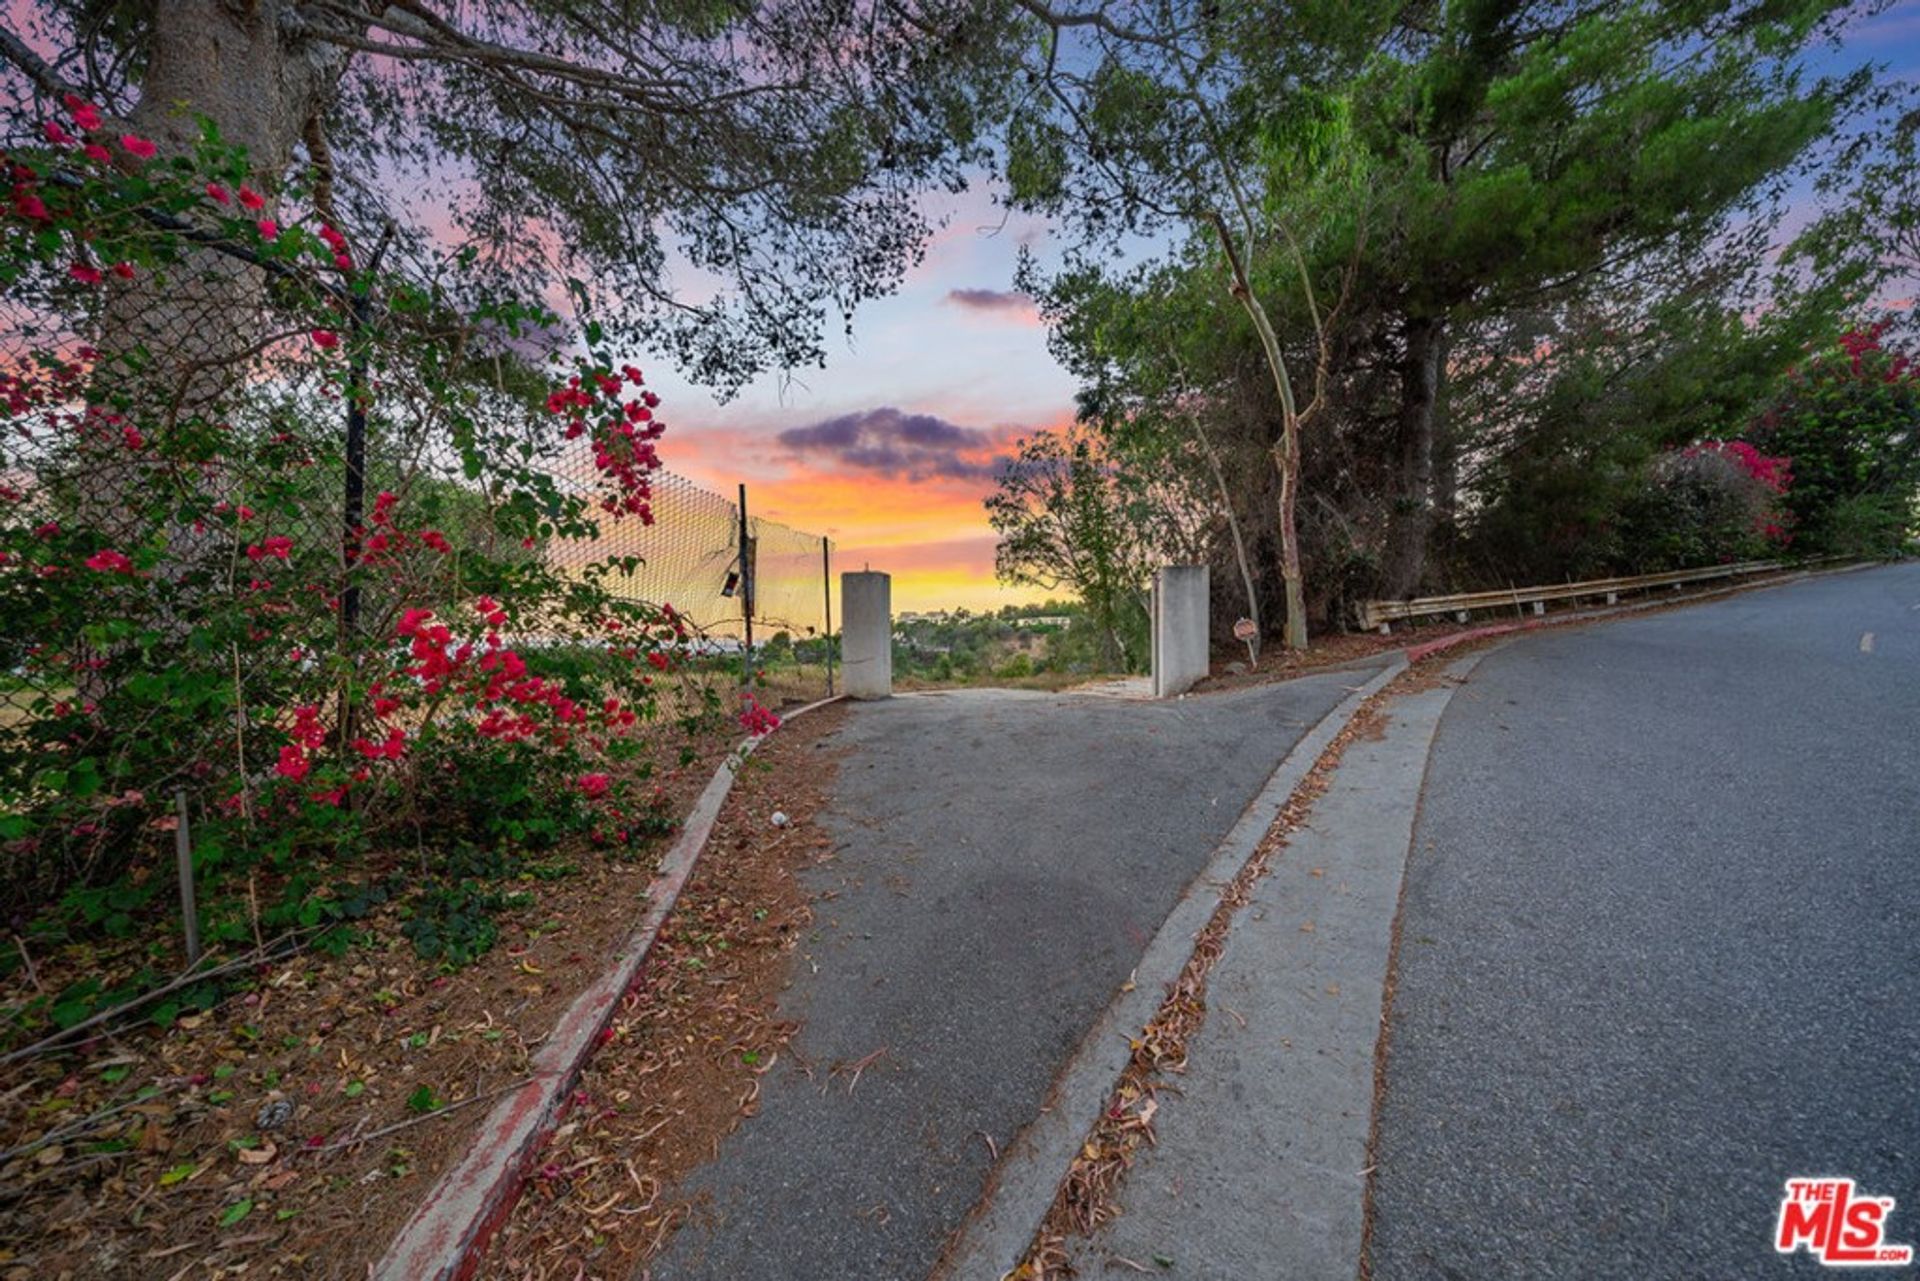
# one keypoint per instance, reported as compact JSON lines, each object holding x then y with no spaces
{"x":769,"y":156}
{"x":1153,"y":118}
{"x":1523,"y":147}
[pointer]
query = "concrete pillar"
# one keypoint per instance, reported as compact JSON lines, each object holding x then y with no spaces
{"x":1180,"y":655}
{"x":866,"y":634}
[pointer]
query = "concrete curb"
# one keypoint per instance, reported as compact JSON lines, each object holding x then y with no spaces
{"x":1022,"y":1187}
{"x":444,"y":1238}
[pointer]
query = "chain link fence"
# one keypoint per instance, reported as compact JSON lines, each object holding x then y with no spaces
{"x":236,"y":466}
{"x":776,"y":598}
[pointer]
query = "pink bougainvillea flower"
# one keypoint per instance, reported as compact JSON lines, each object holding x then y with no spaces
{"x":56,"y":135}
{"x":593,"y":785}
{"x":110,"y":562}
{"x":251,"y":199}
{"x":124,"y":270}
{"x":755,"y":719}
{"x":85,"y":273}
{"x":49,"y":530}
{"x":84,"y":113}
{"x":137,"y":146}
{"x":277,"y":547}
{"x":28,"y":205}
{"x":133,"y":438}
{"x":218,"y":193}
{"x":412,"y":621}
{"x":97,"y":153}
{"x":269,"y":229}
{"x":343,"y":262}
{"x":325,"y":339}
{"x":293,"y":763}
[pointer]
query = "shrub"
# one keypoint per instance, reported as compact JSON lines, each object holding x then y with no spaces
{"x":186,"y":603}
{"x":1849,"y":422}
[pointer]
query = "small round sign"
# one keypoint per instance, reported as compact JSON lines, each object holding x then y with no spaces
{"x":1244,"y":630}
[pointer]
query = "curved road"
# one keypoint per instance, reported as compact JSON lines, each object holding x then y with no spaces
{"x":1660,"y":944}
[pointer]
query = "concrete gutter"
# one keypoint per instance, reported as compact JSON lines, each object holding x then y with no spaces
{"x":444,"y":1239}
{"x":1020,"y":1190}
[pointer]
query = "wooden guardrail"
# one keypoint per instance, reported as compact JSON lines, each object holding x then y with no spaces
{"x":1381,"y":613}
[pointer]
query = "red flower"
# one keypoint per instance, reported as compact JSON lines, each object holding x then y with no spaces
{"x":124,"y":270}
{"x":277,"y":547}
{"x":110,"y":562}
{"x":56,"y":135}
{"x":269,"y":229}
{"x":137,"y":146}
{"x":251,"y":199}
{"x":325,"y":339}
{"x":593,"y":785}
{"x":293,"y":763}
{"x":95,"y":152}
{"x":85,"y":273}
{"x":217,"y":192}
{"x":85,"y":114}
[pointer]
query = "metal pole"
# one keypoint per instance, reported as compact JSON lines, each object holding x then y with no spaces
{"x":354,"y":500}
{"x":826,"y":590}
{"x":746,"y":591}
{"x":183,"y":856}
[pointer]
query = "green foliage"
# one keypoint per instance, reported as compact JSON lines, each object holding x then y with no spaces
{"x":171,"y":597}
{"x":1850,"y":421}
{"x":454,"y":922}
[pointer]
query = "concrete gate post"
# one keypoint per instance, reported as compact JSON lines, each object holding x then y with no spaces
{"x":1180,"y":651}
{"x":866,"y":634}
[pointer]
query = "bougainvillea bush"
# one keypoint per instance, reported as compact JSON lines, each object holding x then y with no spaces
{"x":1849,"y":418}
{"x":190,"y":611}
{"x":1713,"y":502}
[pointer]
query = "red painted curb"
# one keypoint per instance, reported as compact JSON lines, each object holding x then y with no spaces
{"x":447,"y":1234}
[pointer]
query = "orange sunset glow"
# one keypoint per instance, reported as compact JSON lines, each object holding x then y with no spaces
{"x":890,"y":449}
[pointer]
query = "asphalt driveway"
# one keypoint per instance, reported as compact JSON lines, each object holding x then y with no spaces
{"x":1003,"y":858}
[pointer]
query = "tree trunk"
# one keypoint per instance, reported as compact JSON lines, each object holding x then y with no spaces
{"x":1405,"y":557}
{"x":191,"y":327}
{"x":1286,"y":455}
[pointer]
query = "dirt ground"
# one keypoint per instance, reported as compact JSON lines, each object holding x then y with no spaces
{"x":693,"y":1037}
{"x":292,"y":1129}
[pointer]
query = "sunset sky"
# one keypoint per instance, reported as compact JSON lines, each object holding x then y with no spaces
{"x":891,"y":448}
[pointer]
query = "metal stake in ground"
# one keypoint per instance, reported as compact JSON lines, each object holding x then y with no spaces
{"x":746,"y":593}
{"x":183,"y":855}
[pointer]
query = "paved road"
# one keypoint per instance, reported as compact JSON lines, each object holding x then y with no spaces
{"x":1003,"y":859}
{"x":1660,"y":943}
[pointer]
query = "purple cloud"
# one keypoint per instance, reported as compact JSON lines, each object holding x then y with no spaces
{"x":912,"y":447}
{"x":990,"y":299}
